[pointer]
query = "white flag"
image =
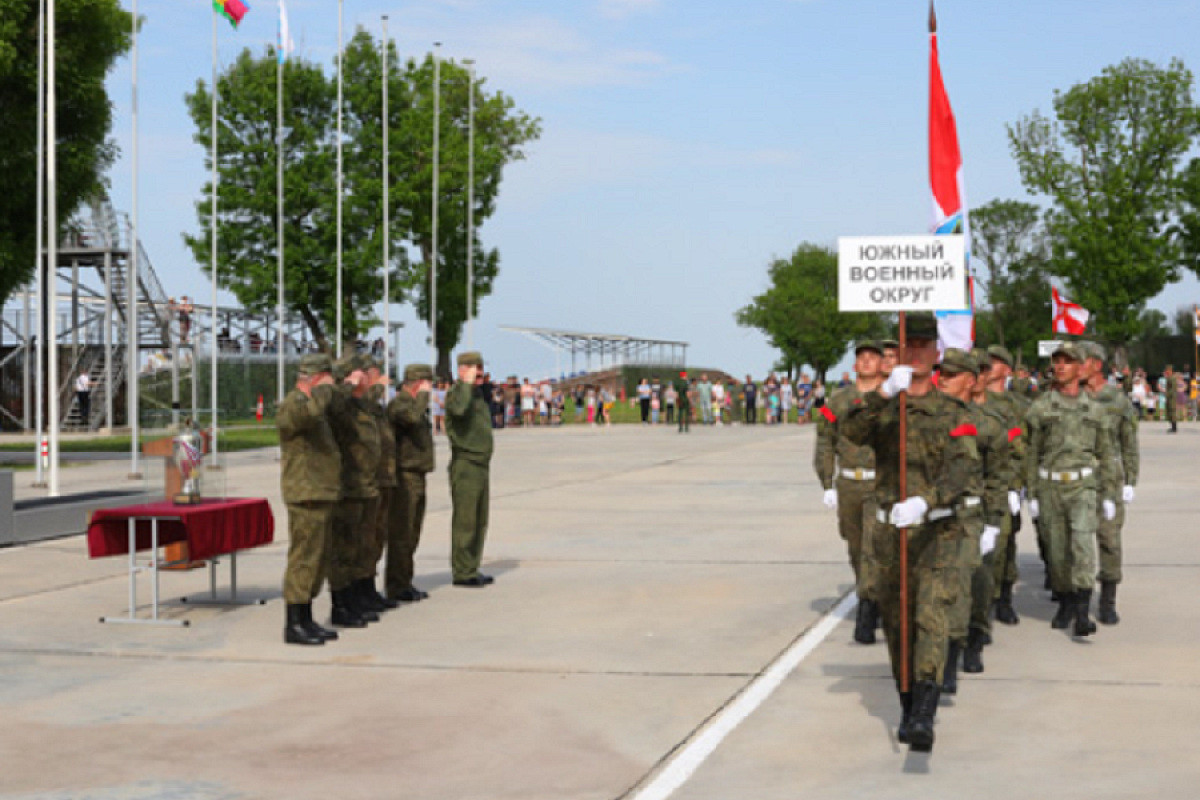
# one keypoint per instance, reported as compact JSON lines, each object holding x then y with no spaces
{"x":285,"y":45}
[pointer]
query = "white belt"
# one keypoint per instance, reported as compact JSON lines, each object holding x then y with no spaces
{"x":1065,"y":477}
{"x":859,"y":474}
{"x":935,"y":514}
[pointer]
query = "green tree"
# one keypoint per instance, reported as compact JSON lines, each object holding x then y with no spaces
{"x":91,"y":35}
{"x":1110,"y":164}
{"x":1010,"y":254}
{"x":799,"y":312}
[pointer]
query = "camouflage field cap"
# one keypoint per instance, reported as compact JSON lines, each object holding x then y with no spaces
{"x":868,"y":344}
{"x":471,"y":358}
{"x":315,"y":364}
{"x":1071,"y":350}
{"x":889,"y":344}
{"x":981,"y":358}
{"x":956,"y":361}
{"x":1096,"y":350}
{"x":345,"y":365}
{"x":366,"y":363}
{"x":418,"y":372}
{"x":920,"y":325}
{"x":1001,"y":354}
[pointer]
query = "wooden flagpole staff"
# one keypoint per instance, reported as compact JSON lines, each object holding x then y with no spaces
{"x":903,"y":398}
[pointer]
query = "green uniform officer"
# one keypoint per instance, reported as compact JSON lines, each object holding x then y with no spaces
{"x":1070,"y":462}
{"x":385,"y":479}
{"x":469,"y":426}
{"x":1013,"y":406}
{"x":847,"y":475}
{"x":409,"y":416}
{"x":358,"y":437}
{"x":1120,"y":420}
{"x":943,"y":475}
{"x":311,"y":479}
{"x":683,"y":388}
{"x":1171,"y":391}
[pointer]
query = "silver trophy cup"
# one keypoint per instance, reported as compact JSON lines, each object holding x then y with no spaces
{"x":189,"y":459}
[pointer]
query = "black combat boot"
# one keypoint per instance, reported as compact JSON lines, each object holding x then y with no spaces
{"x":1083,"y":623}
{"x":1066,"y":611}
{"x":924,"y":708}
{"x":864,"y":623}
{"x":973,"y":655}
{"x":317,"y":630}
{"x":295,"y":631}
{"x":380,"y":602}
{"x":345,"y":615}
{"x":361,"y":603}
{"x":1107,"y":610}
{"x":950,"y":670}
{"x":1004,"y":607}
{"x":905,"y":716}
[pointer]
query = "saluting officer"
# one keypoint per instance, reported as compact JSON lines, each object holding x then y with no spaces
{"x":409,"y":415}
{"x":469,"y":427}
{"x":311,"y":479}
{"x":385,"y":479}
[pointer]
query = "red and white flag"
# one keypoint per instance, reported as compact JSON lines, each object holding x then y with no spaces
{"x":1069,"y":317}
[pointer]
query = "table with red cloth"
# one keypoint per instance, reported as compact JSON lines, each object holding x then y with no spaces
{"x":211,"y":528}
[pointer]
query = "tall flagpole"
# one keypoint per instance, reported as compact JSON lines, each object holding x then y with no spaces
{"x":470,"y":202}
{"x":437,"y":91}
{"x":39,"y":257}
{"x":52,"y":245}
{"x":341,"y":58}
{"x":280,"y":57}
{"x":213,"y":344}
{"x":387,"y":230}
{"x":133,"y":383}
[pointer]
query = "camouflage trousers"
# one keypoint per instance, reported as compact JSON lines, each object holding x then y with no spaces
{"x":1108,"y":537}
{"x":856,"y":519}
{"x":405,"y":520}
{"x":345,"y":555}
{"x":310,"y":528}
{"x":470,"y":496}
{"x":1068,"y":516}
{"x":376,"y":533}
{"x":1004,"y":560}
{"x":934,"y":581}
{"x":973,"y":605}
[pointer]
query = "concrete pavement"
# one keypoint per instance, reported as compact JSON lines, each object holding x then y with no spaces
{"x":644,"y":580}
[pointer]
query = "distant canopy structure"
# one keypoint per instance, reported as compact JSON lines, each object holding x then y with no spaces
{"x":608,"y":349}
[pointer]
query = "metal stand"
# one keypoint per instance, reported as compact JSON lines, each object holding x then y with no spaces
{"x":134,"y":569}
{"x":212,"y":599}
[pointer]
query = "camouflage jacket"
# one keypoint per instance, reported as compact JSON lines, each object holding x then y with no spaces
{"x":1067,"y":434}
{"x":358,"y":437}
{"x":312,"y":462}
{"x":942,"y":454}
{"x":468,"y":423}
{"x":414,"y":435}
{"x":1013,"y":407}
{"x":995,"y":451}
{"x":386,"y":474}
{"x":1120,"y":420}
{"x":833,"y":450}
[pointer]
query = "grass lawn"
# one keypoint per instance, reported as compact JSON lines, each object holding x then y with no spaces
{"x":231,"y":440}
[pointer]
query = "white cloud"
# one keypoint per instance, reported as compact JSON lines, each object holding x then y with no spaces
{"x":620,"y":9}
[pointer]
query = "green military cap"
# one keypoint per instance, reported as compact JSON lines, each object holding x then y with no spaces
{"x":1095,"y":350}
{"x":955,"y":361}
{"x":366,"y":363}
{"x":981,"y":358}
{"x":1069,"y":349}
{"x":315,"y":364}
{"x":418,"y":372}
{"x":889,"y":344}
{"x":1001,"y":354}
{"x":471,"y":358}
{"x":920,"y":325}
{"x":345,"y":365}
{"x":868,"y":344}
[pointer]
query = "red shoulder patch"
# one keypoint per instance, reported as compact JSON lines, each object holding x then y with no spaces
{"x":1013,"y":433}
{"x":964,"y":430}
{"x":828,"y":415}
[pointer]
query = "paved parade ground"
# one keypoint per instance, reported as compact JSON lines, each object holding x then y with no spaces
{"x":645,"y":582}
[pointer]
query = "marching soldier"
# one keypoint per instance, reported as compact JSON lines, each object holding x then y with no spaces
{"x":311,"y":478}
{"x":385,"y":479}
{"x":1121,"y":425}
{"x":1070,"y":464}
{"x":891,"y":354}
{"x":943,"y":468}
{"x":409,"y":416}
{"x":1014,"y":407}
{"x":470,"y":430}
{"x":847,"y":475}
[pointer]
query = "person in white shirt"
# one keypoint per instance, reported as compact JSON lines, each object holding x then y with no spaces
{"x":83,"y":395}
{"x":718,"y":400}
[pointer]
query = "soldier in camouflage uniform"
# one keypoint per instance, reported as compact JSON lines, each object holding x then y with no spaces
{"x":891,"y":354}
{"x":409,"y":416}
{"x":469,"y":427}
{"x":943,"y":474}
{"x":311,"y":481}
{"x":1121,"y":424}
{"x":1070,"y":463}
{"x":385,"y":479}
{"x":1013,"y":407}
{"x":358,"y":437}
{"x":847,"y":475}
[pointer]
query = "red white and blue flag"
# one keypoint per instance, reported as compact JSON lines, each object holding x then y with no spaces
{"x":956,"y":327}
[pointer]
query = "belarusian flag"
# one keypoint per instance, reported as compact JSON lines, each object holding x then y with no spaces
{"x":956,"y":327}
{"x":1068,"y":317}
{"x":232,"y":10}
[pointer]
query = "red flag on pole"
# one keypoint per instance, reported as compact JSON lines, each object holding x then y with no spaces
{"x":1069,"y":317}
{"x":258,"y":414}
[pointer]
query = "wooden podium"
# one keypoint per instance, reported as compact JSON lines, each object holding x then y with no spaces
{"x":176,"y":554}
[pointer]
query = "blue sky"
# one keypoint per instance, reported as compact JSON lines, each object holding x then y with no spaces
{"x":685,"y":142}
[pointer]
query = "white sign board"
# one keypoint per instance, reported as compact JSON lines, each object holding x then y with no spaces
{"x":902,"y":273}
{"x":1047,"y":348}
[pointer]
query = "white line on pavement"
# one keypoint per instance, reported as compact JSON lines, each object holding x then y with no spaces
{"x":680,"y":768}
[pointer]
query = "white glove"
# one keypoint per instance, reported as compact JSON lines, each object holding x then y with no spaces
{"x":830,"y":498}
{"x":1033,"y":508}
{"x":1014,"y":502}
{"x":910,"y":512}
{"x":1127,"y":495}
{"x":1110,"y":510}
{"x":987,"y":542}
{"x":898,"y":381}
